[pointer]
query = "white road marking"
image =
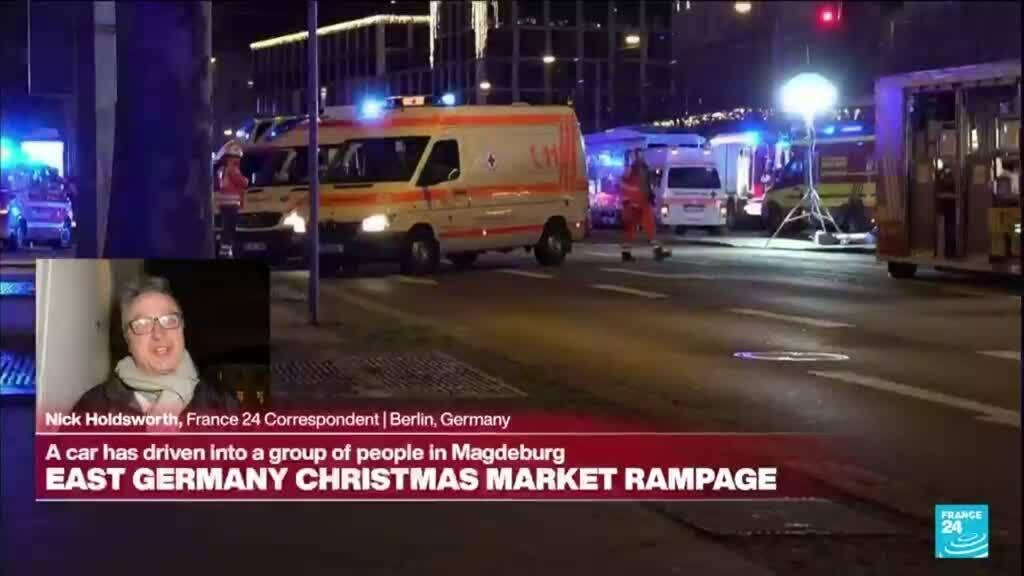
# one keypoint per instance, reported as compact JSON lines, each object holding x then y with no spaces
{"x":646,"y":255}
{"x":795,"y":319}
{"x":681,"y":276}
{"x":527,"y":273}
{"x":627,"y":290}
{"x":989,"y":413}
{"x":1005,"y":354}
{"x":415,"y":280}
{"x":601,"y":254}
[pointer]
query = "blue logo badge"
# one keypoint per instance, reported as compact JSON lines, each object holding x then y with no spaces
{"x":961,"y":531}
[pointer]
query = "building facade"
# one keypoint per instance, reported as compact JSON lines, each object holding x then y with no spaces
{"x":630,"y":61}
{"x":612,"y":61}
{"x":356,"y":57}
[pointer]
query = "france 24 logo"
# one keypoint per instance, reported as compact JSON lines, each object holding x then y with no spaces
{"x":961,"y":531}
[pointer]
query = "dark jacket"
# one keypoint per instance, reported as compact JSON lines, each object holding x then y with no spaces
{"x":114,"y":397}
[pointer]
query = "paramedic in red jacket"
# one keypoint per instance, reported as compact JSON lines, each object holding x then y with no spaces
{"x":231,"y":194}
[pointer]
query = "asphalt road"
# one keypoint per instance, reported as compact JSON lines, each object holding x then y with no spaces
{"x":927,"y":402}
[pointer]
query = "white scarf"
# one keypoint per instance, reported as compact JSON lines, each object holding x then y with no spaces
{"x":170,"y":393}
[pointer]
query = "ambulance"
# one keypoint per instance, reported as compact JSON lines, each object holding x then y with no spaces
{"x":688,"y":189}
{"x":845,"y":177}
{"x":415,"y":179}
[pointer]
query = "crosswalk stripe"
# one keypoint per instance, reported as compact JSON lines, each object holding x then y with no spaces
{"x":795,"y":319}
{"x":630,"y":291}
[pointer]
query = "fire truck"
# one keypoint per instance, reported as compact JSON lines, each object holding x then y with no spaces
{"x":947,"y":145}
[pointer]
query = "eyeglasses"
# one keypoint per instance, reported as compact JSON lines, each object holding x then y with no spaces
{"x":145,"y":325}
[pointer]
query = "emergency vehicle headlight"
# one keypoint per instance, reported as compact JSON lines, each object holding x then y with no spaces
{"x":4,"y":211}
{"x":664,"y":210}
{"x":376,"y":223}
{"x":297,"y":222}
{"x":724,"y":211}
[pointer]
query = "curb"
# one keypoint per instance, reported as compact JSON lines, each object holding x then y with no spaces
{"x":833,"y":249}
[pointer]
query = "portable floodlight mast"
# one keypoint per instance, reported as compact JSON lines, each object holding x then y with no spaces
{"x":808,"y":95}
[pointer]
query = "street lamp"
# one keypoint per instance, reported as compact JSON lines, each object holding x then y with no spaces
{"x":808,"y":95}
{"x":485,"y":85}
{"x":743,"y":7}
{"x":633,"y":39}
{"x":549,"y":59}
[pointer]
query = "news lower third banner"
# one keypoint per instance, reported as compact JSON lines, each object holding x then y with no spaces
{"x":538,"y":458}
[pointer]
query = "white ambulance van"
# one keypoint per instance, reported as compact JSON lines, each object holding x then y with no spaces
{"x":688,"y":189}
{"x":410,"y":181}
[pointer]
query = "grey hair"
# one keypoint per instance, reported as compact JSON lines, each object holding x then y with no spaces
{"x":139,"y":286}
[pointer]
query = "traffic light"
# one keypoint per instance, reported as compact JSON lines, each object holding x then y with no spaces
{"x":829,"y":14}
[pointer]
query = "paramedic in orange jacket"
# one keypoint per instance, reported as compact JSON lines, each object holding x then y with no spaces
{"x":638,"y":208}
{"x":231,"y":194}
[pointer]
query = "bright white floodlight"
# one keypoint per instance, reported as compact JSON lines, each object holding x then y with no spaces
{"x":808,"y":94}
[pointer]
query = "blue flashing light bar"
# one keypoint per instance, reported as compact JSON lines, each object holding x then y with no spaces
{"x":829,"y":130}
{"x":852,"y":128}
{"x":448,"y":99}
{"x":371,"y":108}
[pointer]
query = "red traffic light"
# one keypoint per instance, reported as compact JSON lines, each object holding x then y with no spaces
{"x":828,"y":15}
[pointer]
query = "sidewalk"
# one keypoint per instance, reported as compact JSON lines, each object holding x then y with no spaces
{"x":858,"y":244}
{"x":762,"y":243}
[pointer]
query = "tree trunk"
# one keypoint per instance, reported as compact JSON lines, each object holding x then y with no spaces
{"x":161,"y":202}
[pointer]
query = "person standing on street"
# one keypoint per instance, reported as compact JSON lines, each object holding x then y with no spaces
{"x":231,"y":194}
{"x":638,"y":208}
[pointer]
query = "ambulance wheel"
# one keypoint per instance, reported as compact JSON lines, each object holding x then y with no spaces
{"x":329,"y":265}
{"x":731,"y":218}
{"x":902,"y":269}
{"x":553,"y":245}
{"x":716,"y":230}
{"x":420,"y":254}
{"x":680,"y":230}
{"x":463,"y":260}
{"x":772,"y":217}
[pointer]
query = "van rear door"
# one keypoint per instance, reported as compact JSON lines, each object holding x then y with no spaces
{"x":693,"y":195}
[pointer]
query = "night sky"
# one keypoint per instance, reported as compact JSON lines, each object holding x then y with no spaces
{"x":237,"y":24}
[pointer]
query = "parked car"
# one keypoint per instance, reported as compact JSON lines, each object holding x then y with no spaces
{"x":35,"y":207}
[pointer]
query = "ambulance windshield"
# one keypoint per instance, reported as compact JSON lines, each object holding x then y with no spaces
{"x":271,"y":167}
{"x":375,"y":160}
{"x":693,"y":177}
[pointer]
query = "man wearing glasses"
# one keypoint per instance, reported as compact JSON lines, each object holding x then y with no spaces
{"x":158,"y":376}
